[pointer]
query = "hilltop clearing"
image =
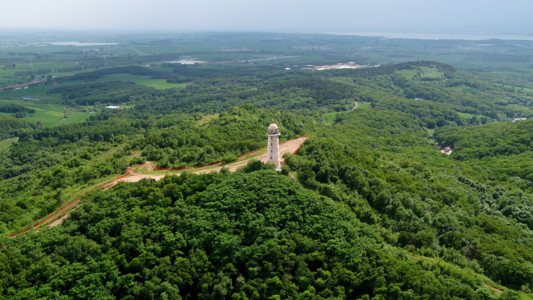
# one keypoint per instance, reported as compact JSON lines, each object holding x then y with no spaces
{"x":58,"y":216}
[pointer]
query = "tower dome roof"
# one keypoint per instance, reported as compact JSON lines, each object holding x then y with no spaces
{"x":272,"y":126}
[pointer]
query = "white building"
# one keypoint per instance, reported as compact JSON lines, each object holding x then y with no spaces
{"x":273,"y":156}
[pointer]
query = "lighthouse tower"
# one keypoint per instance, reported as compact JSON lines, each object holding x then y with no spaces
{"x":273,"y":145}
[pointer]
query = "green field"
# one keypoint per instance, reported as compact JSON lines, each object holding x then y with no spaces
{"x":39,"y":92}
{"x":330,"y":117}
{"x":465,"y":115}
{"x":50,"y":114}
{"x":363,"y":105}
{"x":32,"y":92}
{"x":8,"y":76}
{"x":520,"y":88}
{"x":50,"y":120}
{"x":206,"y":119}
{"x":6,"y":143}
{"x":468,"y":116}
{"x":409,"y":74}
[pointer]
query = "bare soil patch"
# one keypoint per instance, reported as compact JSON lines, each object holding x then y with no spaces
{"x":286,"y":147}
{"x":494,"y":289}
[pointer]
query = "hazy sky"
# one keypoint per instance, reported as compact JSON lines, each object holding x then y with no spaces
{"x":272,"y":15}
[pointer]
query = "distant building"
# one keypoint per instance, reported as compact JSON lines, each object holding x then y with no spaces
{"x":113,"y":107}
{"x":419,"y":98}
{"x":518,"y":119}
{"x":235,"y":50}
{"x":446,"y":150}
{"x":350,"y":65}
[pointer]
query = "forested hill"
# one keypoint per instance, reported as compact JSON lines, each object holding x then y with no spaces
{"x":504,"y":150}
{"x":48,"y":167}
{"x":491,"y":140}
{"x":222,"y":236}
{"x":110,"y":92}
{"x":487,"y":97}
{"x":368,"y":207}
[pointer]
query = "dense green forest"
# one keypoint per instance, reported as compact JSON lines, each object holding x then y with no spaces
{"x":254,"y":235}
{"x":17,"y":111}
{"x":501,"y":151}
{"x":368,"y":208}
{"x":419,"y":197}
{"x":133,"y":70}
{"x":12,"y":127}
{"x":105,"y":92}
{"x":489,"y":98}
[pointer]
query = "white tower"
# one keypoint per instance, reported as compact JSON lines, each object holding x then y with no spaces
{"x":273,"y":145}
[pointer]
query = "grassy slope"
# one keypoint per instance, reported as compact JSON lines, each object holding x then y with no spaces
{"x":487,"y":281}
{"x":69,"y":193}
{"x":6,"y":143}
{"x":330,"y":117}
{"x":50,"y":114}
{"x":408,"y":74}
{"x":206,"y":119}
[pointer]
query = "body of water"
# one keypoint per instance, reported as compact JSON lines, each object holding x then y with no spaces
{"x":78,"y":44}
{"x":440,"y":36}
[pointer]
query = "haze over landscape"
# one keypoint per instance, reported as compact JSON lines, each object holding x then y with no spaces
{"x":473,"y":16}
{"x":266,"y":150}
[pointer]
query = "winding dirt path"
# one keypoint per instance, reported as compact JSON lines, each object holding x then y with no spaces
{"x":355,"y":105}
{"x":73,"y":204}
{"x":60,"y":220}
{"x":286,"y":147}
{"x":64,"y":212}
{"x":494,"y":289}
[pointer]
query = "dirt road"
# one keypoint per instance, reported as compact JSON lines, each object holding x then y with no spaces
{"x":54,"y":215}
{"x":60,"y":220}
{"x":286,"y":147}
{"x":55,"y":218}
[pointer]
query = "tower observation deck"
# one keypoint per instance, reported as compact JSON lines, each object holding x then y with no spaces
{"x":273,"y":145}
